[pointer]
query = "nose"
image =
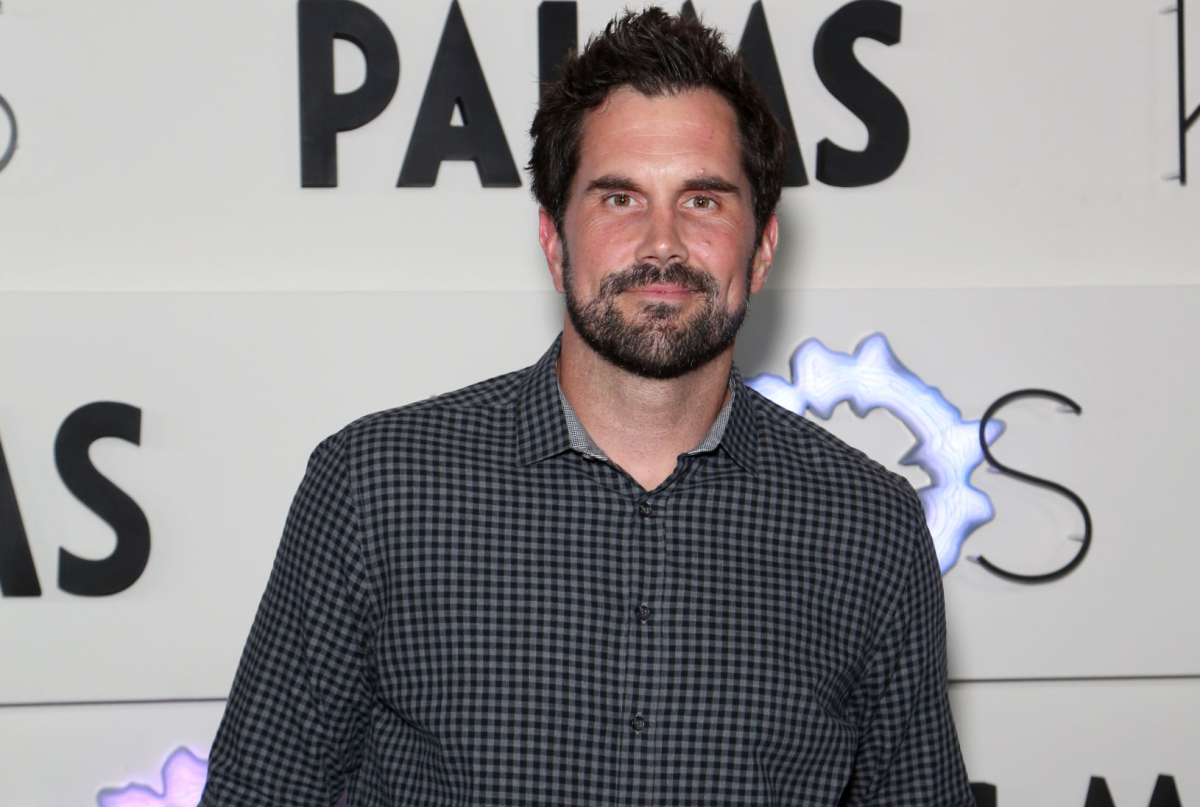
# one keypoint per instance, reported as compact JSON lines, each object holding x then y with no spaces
{"x":662,"y":241}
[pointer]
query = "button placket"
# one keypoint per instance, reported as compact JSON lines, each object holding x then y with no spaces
{"x":646,"y":651}
{"x":645,"y":510}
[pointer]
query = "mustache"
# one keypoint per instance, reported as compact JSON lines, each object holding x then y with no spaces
{"x":645,"y":274}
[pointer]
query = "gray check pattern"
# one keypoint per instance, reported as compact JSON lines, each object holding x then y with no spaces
{"x":466,"y":611}
{"x":583,"y":443}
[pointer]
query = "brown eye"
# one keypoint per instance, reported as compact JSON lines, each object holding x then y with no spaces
{"x":621,"y":200}
{"x":701,"y":202}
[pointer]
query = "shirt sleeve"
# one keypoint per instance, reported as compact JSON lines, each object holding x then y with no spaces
{"x":298,"y":714}
{"x":908,"y":751}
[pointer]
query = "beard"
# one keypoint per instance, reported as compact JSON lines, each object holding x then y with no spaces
{"x":663,"y":341}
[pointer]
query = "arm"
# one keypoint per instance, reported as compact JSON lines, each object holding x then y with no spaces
{"x":299,"y":710}
{"x":908,"y":754}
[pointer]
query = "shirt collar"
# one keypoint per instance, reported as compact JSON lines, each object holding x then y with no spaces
{"x":740,"y":440}
{"x":583,"y":443}
{"x":541,"y":431}
{"x":544,"y":419}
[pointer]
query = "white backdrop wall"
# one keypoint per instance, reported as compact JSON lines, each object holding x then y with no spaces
{"x":158,"y":250}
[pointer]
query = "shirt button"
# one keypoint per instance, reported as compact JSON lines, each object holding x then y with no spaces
{"x":643,"y":613}
{"x":645,"y":509}
{"x":638,"y":723}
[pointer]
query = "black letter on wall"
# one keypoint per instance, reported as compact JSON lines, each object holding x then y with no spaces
{"x":863,"y":94}
{"x":984,"y":794}
{"x":558,"y":35}
{"x":1098,"y":795}
{"x":121,"y":569}
{"x":1165,"y":794}
{"x":758,"y":52}
{"x":457,"y":80}
{"x":18,"y":577}
{"x":1086,"y":542}
{"x":324,"y":113}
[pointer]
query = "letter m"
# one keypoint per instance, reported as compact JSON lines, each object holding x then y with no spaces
{"x":1164,"y":795}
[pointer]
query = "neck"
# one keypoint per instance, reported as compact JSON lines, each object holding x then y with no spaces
{"x":641,"y":424}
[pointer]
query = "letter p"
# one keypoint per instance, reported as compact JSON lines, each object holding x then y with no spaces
{"x":323,"y":112}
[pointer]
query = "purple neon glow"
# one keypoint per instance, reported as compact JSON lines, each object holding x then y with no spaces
{"x":183,"y":777}
{"x":947,"y":446}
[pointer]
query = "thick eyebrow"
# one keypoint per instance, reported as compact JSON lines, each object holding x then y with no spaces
{"x":713,"y":184}
{"x":611,"y":182}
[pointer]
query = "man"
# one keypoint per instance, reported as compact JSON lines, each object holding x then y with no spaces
{"x":619,"y":576}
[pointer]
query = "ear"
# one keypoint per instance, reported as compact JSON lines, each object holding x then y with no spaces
{"x":764,"y":254}
{"x":552,"y":245}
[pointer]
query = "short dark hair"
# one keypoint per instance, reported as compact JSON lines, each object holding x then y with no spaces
{"x":655,"y":53}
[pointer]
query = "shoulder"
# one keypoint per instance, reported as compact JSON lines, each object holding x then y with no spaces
{"x":794,"y":442}
{"x":440,"y":416}
{"x":453,"y":427}
{"x":872,"y":512}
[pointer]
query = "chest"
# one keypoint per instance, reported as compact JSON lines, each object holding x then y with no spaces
{"x":717,"y":601}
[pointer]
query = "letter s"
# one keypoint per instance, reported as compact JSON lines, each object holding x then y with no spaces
{"x":863,"y":94}
{"x":121,"y":569}
{"x":991,"y":412}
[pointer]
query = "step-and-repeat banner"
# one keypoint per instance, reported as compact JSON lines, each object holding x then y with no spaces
{"x":227,"y":230}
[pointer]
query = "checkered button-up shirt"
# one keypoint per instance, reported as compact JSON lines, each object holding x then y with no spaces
{"x":467,"y":610}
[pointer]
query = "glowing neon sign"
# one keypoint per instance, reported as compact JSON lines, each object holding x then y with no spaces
{"x":183,"y":776}
{"x":947,"y":446}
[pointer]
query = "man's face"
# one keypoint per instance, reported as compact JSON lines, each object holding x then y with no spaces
{"x":657,"y":254}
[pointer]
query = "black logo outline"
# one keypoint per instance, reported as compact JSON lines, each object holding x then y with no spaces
{"x":1185,"y":120}
{"x":7,"y":156}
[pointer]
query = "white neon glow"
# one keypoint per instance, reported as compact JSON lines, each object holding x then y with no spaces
{"x":183,"y":777}
{"x":947,"y":446}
